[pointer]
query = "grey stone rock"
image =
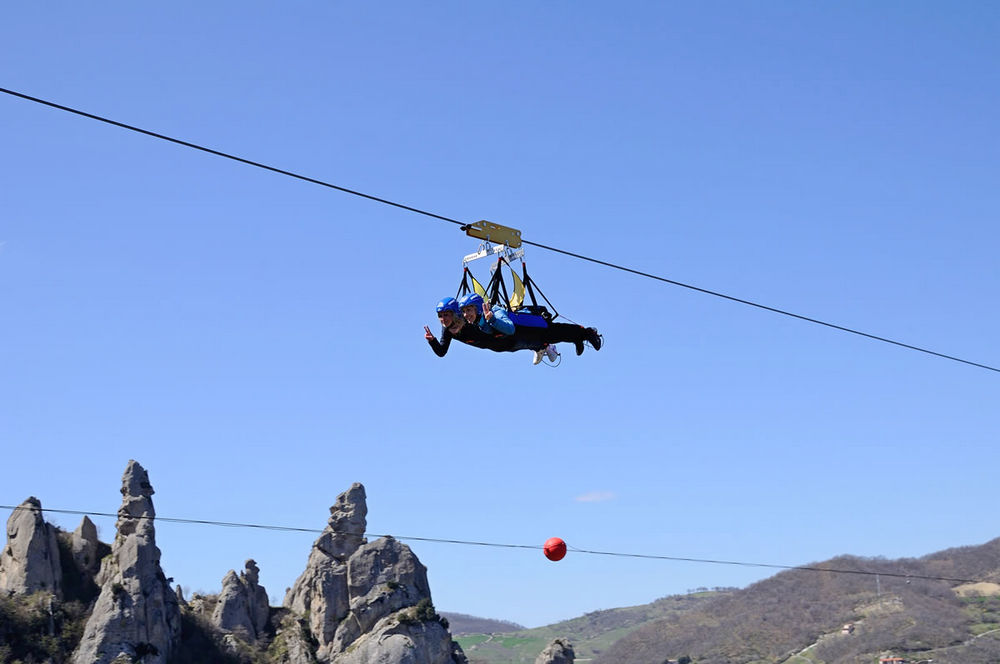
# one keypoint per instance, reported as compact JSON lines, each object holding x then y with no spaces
{"x":383,"y":577}
{"x":136,"y":614}
{"x":362,"y":598}
{"x":242,"y":607}
{"x":345,"y":530}
{"x":558,"y":652}
{"x":321,"y":590}
{"x":85,"y":545}
{"x":30,"y":561}
{"x":392,"y":641}
{"x":201,"y":606}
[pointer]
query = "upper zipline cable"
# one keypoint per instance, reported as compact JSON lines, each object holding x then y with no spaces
{"x":436,"y":540}
{"x":219,"y":153}
{"x":439,"y":217}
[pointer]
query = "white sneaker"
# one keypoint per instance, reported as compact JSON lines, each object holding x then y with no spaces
{"x":539,"y":354}
{"x":551,"y":352}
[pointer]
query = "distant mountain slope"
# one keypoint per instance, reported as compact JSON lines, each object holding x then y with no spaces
{"x":590,"y":634}
{"x":798,"y":616}
{"x":460,"y":623}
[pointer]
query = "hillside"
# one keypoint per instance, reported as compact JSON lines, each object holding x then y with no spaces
{"x":590,"y":634}
{"x":799,"y":616}
{"x":460,"y":623}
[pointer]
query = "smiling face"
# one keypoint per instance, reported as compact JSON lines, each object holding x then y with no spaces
{"x":470,"y":312}
{"x":451,"y":320}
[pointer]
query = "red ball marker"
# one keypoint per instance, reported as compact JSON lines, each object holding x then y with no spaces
{"x":555,"y":548}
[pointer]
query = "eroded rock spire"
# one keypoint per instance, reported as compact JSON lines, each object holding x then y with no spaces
{"x":242,"y":607}
{"x":136,"y":614}
{"x":30,"y":561}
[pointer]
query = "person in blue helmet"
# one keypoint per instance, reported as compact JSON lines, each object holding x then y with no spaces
{"x":509,"y":337}
{"x":456,"y":326}
{"x":495,"y":321}
{"x":492,"y":321}
{"x":453,"y":326}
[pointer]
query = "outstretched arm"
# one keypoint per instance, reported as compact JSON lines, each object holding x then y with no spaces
{"x":439,"y":347}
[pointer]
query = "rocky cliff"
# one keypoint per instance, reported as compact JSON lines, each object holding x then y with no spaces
{"x":242,"y":608}
{"x":356,"y":602}
{"x":368,"y":601}
{"x":30,"y":561}
{"x":136,"y":616}
{"x":85,"y":546}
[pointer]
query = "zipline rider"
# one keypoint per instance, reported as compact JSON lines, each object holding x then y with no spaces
{"x":453,"y":326}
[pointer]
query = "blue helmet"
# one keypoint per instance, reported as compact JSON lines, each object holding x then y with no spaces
{"x":471,"y":299}
{"x":448,"y":304}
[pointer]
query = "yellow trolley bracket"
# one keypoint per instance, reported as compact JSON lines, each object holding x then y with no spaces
{"x":495,"y":233}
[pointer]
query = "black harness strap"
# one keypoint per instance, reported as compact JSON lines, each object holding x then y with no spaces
{"x":497,"y":286}
{"x":530,"y":286}
{"x":464,"y":287}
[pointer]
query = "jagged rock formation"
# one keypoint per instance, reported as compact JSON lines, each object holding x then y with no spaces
{"x":357,"y":602}
{"x":321,"y":590}
{"x":368,"y":602}
{"x":242,"y":608}
{"x":136,"y":614}
{"x":558,"y":652}
{"x":80,"y":553}
{"x":395,"y":642}
{"x":84,"y":545}
{"x":30,"y":561}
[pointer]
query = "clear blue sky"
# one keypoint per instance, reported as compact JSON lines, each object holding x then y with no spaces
{"x":256,"y":342}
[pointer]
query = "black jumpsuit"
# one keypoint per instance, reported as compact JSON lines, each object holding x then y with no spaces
{"x":524,"y":337}
{"x":469,"y":334}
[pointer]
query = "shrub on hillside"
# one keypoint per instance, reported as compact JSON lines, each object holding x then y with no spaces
{"x":39,"y":627}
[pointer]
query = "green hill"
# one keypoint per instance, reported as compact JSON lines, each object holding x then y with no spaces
{"x":590,"y":634}
{"x":460,"y":624}
{"x":799,"y":616}
{"x":841,"y":614}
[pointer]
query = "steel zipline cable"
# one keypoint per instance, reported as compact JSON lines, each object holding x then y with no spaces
{"x":437,"y":540}
{"x":439,"y":217}
{"x":219,"y":153}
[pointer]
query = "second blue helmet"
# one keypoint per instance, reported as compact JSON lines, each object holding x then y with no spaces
{"x":473,"y":299}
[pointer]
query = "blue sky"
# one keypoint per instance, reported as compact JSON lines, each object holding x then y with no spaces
{"x":256,"y":342}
